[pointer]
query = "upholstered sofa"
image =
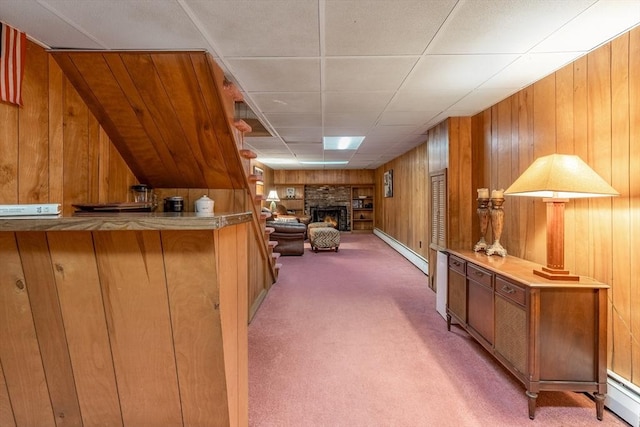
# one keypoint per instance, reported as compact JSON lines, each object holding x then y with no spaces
{"x":290,"y":236}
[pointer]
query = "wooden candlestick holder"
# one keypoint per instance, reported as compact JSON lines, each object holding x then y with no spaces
{"x":497,"y":223}
{"x":484,"y":216}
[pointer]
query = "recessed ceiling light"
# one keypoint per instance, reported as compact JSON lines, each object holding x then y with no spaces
{"x":342,"y":142}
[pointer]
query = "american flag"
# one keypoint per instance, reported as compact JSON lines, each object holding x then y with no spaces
{"x":13,"y":45}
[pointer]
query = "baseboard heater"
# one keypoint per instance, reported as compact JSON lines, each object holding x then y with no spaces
{"x":623,"y":399}
{"x":410,"y":255}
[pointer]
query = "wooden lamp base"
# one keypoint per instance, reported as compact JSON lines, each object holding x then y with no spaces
{"x":554,"y":274}
{"x":555,"y":243}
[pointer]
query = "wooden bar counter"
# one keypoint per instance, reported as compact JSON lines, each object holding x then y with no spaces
{"x":135,"y":319}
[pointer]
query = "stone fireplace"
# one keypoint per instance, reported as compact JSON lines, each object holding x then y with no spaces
{"x":331,"y":200}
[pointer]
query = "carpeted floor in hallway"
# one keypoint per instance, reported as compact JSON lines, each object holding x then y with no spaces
{"x":353,"y":339}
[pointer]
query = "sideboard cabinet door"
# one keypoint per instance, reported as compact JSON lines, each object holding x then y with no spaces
{"x":456,"y":291}
{"x":511,"y":326}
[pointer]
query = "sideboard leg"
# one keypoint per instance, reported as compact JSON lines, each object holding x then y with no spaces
{"x":448,"y":322}
{"x":532,"y":403}
{"x":599,"y":404}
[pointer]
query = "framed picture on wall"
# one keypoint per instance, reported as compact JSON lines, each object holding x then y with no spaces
{"x":258,"y":172}
{"x":388,"y":183}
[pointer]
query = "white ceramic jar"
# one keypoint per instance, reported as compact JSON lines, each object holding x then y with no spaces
{"x":204,"y":205}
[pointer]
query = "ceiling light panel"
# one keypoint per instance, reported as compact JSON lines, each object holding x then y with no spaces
{"x":342,"y":142}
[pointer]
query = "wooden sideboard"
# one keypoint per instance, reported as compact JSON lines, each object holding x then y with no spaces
{"x":124,"y":319}
{"x":550,"y":335}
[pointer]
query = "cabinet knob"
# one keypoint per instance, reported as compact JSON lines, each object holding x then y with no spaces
{"x":478,"y":273}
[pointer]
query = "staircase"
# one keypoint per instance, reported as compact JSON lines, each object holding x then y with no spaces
{"x":247,"y":156}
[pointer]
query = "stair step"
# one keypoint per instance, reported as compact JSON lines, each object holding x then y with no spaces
{"x":264,"y":215}
{"x":254,"y":178}
{"x":269,"y":230}
{"x":242,"y":126}
{"x":273,"y":243}
{"x":258,"y":198}
{"x":248,"y":154}
{"x":277,"y":266}
{"x":275,"y":255}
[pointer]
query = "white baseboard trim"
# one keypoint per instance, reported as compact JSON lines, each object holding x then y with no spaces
{"x":623,"y":399}
{"x":410,"y":255}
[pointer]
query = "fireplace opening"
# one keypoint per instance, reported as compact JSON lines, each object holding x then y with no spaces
{"x":337,"y":213}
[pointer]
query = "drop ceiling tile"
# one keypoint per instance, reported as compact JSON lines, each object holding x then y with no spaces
{"x":132,"y":24}
{"x":306,"y":149}
{"x":335,"y":155}
{"x":425,"y":100}
{"x":404,"y":118}
{"x":294,"y":120}
{"x":277,"y":74}
{"x":346,"y":130}
{"x":503,"y":26}
{"x":301,"y":134}
{"x":382,"y":131}
{"x":366,"y":74}
{"x":371,"y":27}
{"x":603,"y":21}
{"x":287,"y":102}
{"x":439,"y":74}
{"x":339,"y":102}
{"x":260,"y":28}
{"x":361,"y":119}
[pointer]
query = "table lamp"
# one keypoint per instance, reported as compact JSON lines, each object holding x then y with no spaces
{"x":557,"y":178}
{"x":273,"y":198}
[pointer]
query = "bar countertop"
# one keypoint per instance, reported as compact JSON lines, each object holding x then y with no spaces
{"x":126,"y":221}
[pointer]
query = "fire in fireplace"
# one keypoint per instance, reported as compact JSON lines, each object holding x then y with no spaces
{"x":338,"y":213}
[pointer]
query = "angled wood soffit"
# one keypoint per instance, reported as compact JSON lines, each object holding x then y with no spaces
{"x":166,"y":112}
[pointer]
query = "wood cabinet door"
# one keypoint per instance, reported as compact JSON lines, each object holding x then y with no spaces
{"x":457,"y":295}
{"x":511,"y":332}
{"x":480,"y":310}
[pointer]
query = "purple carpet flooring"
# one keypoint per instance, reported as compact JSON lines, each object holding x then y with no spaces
{"x":353,"y":339}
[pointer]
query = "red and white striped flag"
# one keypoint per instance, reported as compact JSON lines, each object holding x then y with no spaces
{"x":13,"y":45}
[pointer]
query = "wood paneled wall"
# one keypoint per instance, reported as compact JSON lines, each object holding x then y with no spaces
{"x":52,"y":149}
{"x":590,"y":108}
{"x":317,"y":177}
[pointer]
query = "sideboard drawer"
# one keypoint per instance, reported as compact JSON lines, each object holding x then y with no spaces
{"x":510,"y":291}
{"x":457,"y":264}
{"x":479,"y":275}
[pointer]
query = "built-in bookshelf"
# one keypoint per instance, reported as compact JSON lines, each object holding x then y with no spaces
{"x":362,"y":209}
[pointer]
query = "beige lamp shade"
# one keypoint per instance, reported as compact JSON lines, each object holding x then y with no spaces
{"x":273,"y":196}
{"x":561,"y":176}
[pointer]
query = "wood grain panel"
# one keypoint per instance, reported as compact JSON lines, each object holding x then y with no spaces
{"x":9,"y":149}
{"x":6,"y":414}
{"x":56,"y":132}
{"x":156,"y":113}
{"x":33,"y":157}
{"x":633,"y":268}
{"x":621,"y":220}
{"x":47,"y":318}
{"x":134,"y":290}
{"x":76,"y":150}
{"x":103,"y":89}
{"x":348,"y":176}
{"x":221,"y":111}
{"x":194,"y":299}
{"x":232,"y":268}
{"x":78,"y":285}
{"x":19,"y":352}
